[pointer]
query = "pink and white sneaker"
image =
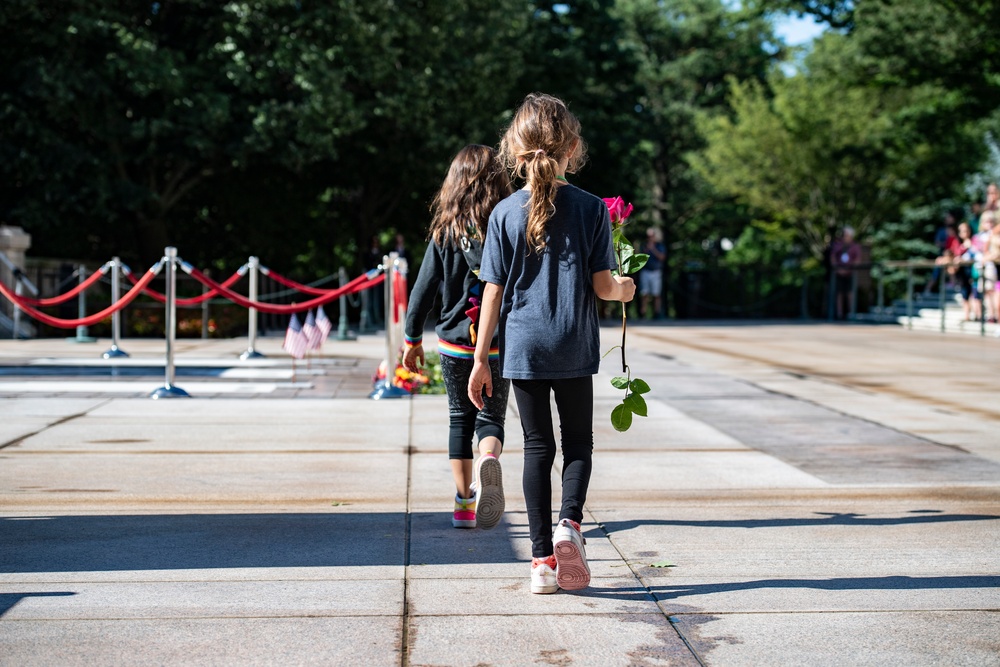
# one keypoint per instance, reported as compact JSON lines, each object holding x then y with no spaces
{"x":464,"y":515}
{"x":572,"y":571}
{"x":543,"y":575}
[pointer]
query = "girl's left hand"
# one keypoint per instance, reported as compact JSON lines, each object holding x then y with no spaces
{"x":479,"y":379}
{"x":411,"y":356}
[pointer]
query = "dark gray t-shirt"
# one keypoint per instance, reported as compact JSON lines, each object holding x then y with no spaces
{"x":548,"y":318}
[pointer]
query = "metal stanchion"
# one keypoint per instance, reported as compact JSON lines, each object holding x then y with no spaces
{"x":82,"y":332}
{"x":909,"y":297}
{"x":364,"y":326}
{"x":204,"y":308}
{"x":343,"y":331}
{"x":253,"y":264}
{"x":942,"y":297}
{"x":168,"y":390}
{"x":116,"y":322}
{"x":20,"y":281}
{"x":385,"y":388}
{"x":17,"y":311}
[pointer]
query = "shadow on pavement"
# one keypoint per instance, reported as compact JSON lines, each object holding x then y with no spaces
{"x":205,"y":541}
{"x":821,"y":519}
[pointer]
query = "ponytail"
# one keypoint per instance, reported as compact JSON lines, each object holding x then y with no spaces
{"x":542,"y":133}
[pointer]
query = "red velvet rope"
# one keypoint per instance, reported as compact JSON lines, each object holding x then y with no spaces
{"x":194,"y":300}
{"x":399,"y":296}
{"x":288,"y":282}
{"x":66,"y":296}
{"x":358,"y":284}
{"x":83,"y":321}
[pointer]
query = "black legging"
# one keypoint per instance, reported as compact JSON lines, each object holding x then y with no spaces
{"x":464,"y":419}
{"x":575,"y":403}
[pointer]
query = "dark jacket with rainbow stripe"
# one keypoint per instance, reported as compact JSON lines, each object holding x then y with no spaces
{"x":445,"y":272}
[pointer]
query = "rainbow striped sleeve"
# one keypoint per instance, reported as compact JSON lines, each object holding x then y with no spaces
{"x":413,"y":341}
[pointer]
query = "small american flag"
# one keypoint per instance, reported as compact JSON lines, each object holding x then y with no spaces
{"x":295,"y":343}
{"x":324,"y":324}
{"x":310,"y":331}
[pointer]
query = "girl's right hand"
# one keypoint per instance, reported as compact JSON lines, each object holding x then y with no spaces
{"x":480,"y":379}
{"x":411,"y":356}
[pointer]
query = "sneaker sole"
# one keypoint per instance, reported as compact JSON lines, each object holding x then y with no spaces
{"x":463,"y":523}
{"x":490,"y":503}
{"x":572,"y":572}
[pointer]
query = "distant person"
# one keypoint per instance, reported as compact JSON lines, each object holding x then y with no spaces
{"x":967,"y":275}
{"x":845,"y":256}
{"x":548,"y":257}
{"x":948,"y":244}
{"x":992,"y":202}
{"x":461,"y":209}
{"x":651,"y":275}
{"x":400,"y":247}
{"x":991,"y":256}
{"x":375,"y":296}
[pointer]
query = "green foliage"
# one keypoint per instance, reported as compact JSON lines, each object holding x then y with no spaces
{"x":306,"y":128}
{"x":815,"y":153}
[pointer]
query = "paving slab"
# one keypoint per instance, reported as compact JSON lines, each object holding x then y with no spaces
{"x":952,"y":638}
{"x":549,"y":639}
{"x":797,"y":495}
{"x":203,"y":599}
{"x":369,"y":640}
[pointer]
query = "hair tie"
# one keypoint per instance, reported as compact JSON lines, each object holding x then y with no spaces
{"x":540,"y":151}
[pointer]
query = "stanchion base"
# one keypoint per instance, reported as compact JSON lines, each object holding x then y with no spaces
{"x":167,"y":391}
{"x":386,"y":390}
{"x":251,"y":354}
{"x":115,"y":351}
{"x":81,"y":339}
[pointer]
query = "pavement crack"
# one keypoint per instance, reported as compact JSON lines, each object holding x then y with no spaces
{"x":404,"y":648}
{"x":669,"y":617}
{"x":58,"y":422}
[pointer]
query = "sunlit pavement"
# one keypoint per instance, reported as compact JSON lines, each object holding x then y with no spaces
{"x":797,"y":495}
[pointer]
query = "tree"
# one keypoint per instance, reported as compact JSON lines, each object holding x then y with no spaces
{"x":129,"y":128}
{"x":116,"y":114}
{"x":815,"y":152}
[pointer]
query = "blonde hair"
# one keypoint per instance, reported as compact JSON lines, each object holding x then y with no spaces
{"x":473,"y":186}
{"x":542,"y":133}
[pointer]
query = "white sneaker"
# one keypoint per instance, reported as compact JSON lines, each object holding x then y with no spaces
{"x":489,"y":491}
{"x":572,"y":571}
{"x":543,"y":575}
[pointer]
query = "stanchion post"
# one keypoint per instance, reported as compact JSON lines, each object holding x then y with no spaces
{"x":82,"y":332}
{"x":116,"y":320}
{"x":204,"y":308}
{"x":386,"y":389}
{"x":942,"y":297}
{"x":343,"y":331}
{"x":909,"y":297}
{"x":253,"y":264}
{"x":169,"y":390}
{"x":363,"y":325}
{"x":18,"y":291}
{"x":981,"y":268}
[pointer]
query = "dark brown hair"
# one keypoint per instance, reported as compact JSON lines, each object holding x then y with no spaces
{"x":473,"y":186}
{"x":542,"y":133}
